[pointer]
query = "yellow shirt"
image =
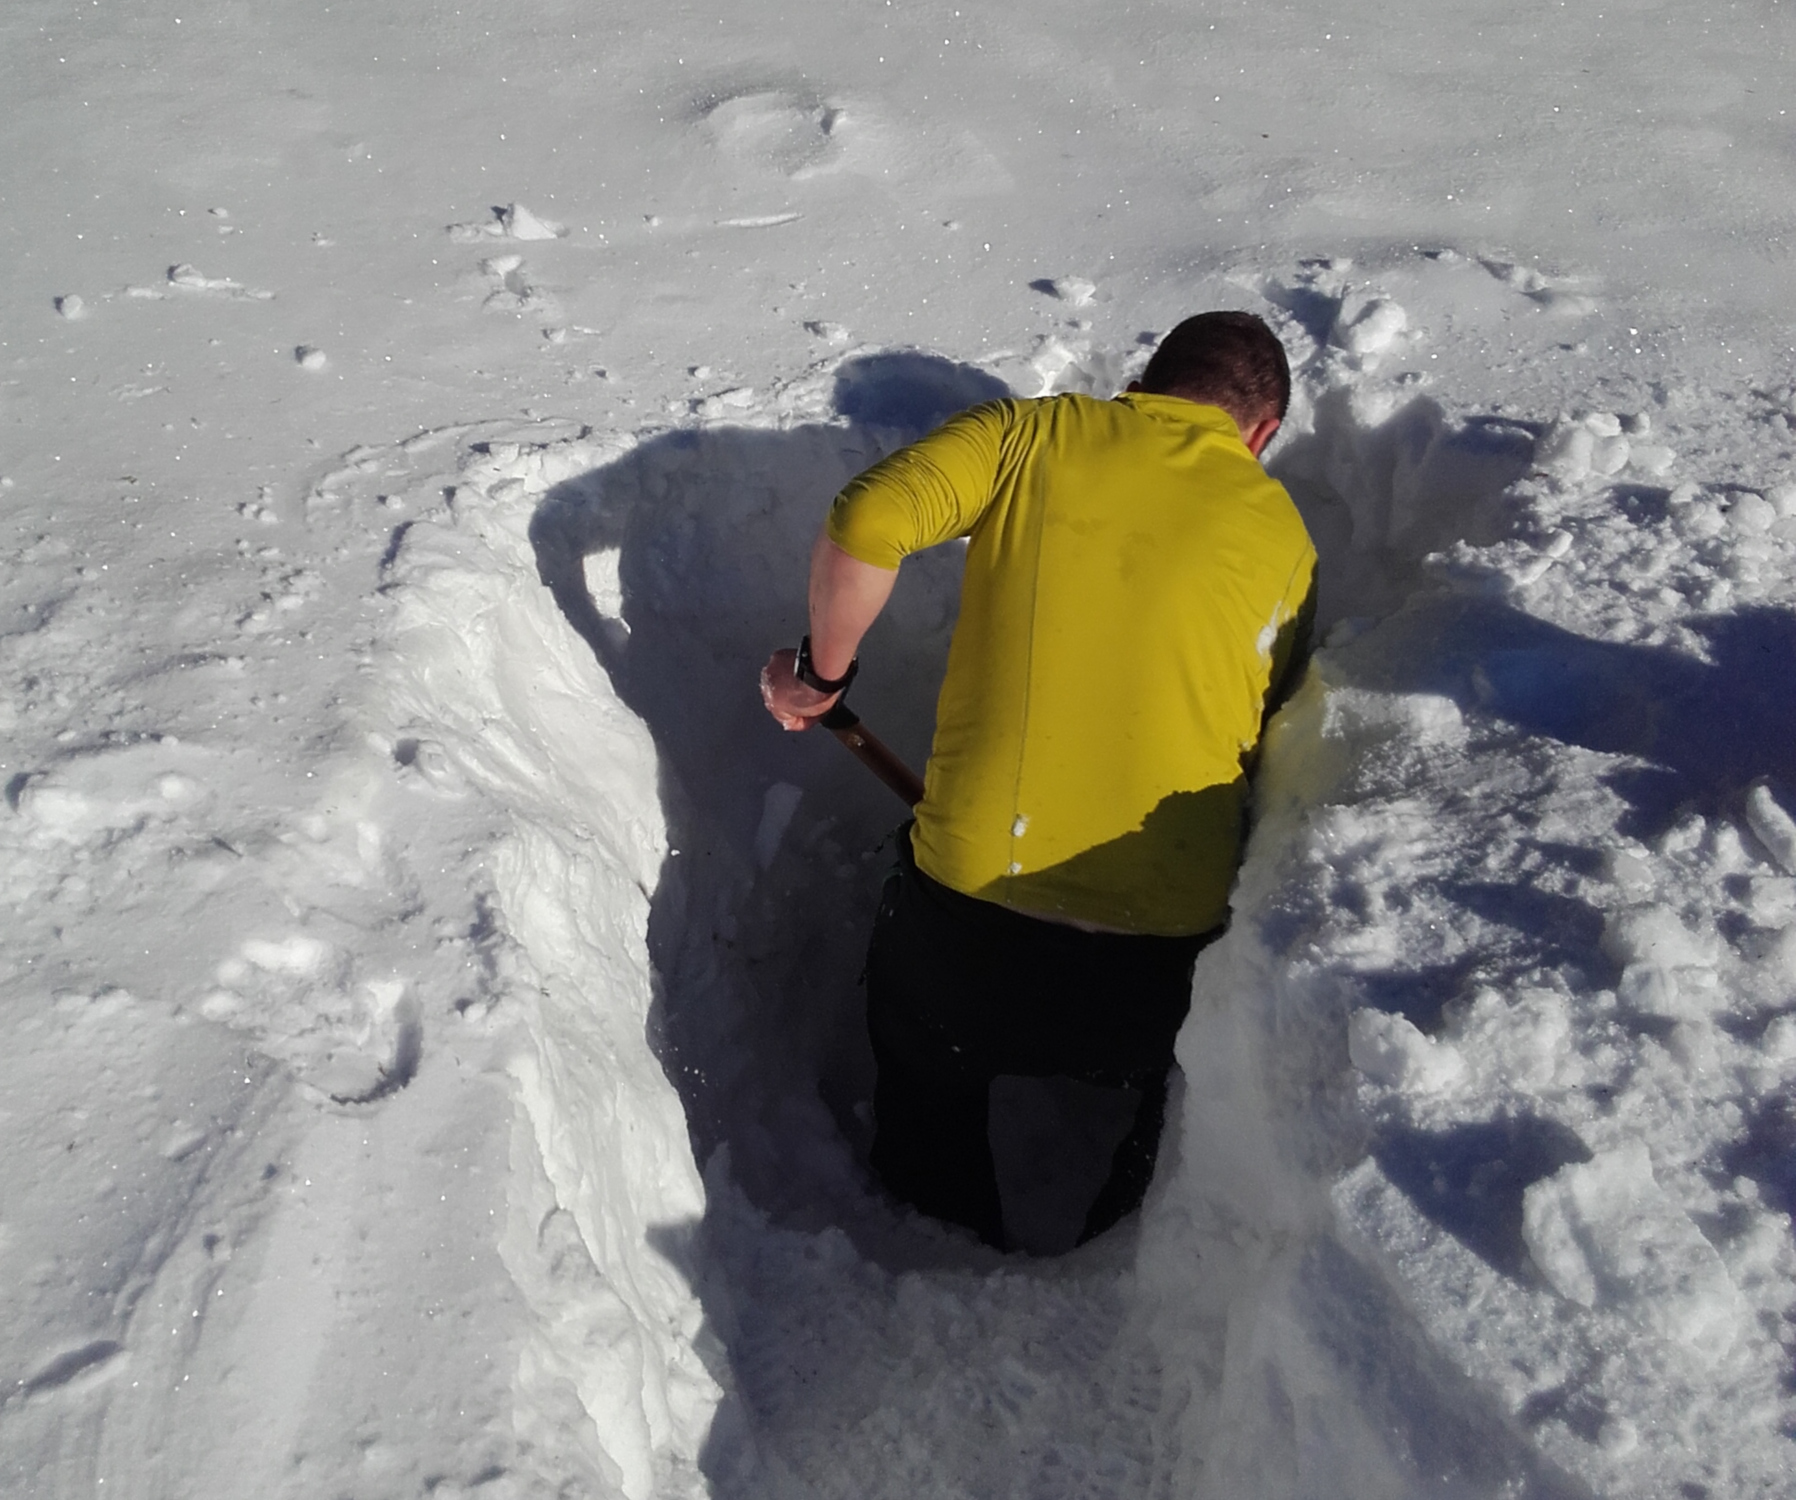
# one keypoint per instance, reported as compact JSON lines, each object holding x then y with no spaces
{"x":1133,"y":589}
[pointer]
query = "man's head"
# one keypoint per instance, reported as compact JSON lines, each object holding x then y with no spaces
{"x":1227,"y":359}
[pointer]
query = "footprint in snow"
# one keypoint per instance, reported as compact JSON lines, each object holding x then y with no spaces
{"x":352,"y":1076}
{"x":189,"y":279}
{"x":775,"y":130}
{"x":1543,"y":291}
{"x":511,"y":290}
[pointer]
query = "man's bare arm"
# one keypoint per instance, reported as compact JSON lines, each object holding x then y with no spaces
{"x":846,"y":596}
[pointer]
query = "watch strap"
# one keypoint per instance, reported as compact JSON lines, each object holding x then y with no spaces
{"x":807,"y":672}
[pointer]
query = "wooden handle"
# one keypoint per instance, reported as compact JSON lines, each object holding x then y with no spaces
{"x":873,"y":753}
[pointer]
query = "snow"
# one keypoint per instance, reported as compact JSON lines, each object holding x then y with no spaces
{"x":429,"y":1043}
{"x":1604,"y":1228}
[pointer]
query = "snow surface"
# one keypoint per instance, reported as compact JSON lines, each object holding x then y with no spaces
{"x":429,"y":1029}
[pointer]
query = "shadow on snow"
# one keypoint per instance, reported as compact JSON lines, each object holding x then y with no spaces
{"x":1702,"y":729}
{"x":758,"y":928}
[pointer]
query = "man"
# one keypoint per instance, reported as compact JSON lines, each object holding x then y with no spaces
{"x":1136,"y":594}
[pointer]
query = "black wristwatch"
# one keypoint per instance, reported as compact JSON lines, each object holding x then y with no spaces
{"x":807,"y":674}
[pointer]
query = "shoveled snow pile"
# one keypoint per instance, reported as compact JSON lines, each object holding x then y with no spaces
{"x":1520,"y":867}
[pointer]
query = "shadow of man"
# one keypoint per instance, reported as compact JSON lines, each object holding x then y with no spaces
{"x":696,"y":541}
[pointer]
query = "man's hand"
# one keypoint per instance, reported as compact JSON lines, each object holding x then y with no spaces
{"x":846,"y":595}
{"x":795,"y":704}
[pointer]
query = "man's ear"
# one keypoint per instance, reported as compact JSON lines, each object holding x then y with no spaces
{"x":1259,"y":435}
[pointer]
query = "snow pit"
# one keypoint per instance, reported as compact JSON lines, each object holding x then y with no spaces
{"x":1412,"y":1066}
{"x":744,"y":867}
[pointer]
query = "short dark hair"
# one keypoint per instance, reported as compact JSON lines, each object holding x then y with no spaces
{"x":1227,"y":359}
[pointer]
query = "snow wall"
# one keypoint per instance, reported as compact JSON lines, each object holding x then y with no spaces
{"x":489,"y":691}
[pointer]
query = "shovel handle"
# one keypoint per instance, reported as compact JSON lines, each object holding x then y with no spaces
{"x":873,"y":753}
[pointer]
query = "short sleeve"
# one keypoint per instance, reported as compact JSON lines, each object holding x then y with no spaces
{"x":930,"y":492}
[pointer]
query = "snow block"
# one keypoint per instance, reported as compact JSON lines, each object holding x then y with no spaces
{"x":1368,"y":324}
{"x":1604,"y":1234}
{"x":1389,"y":1049}
{"x":1655,"y":935}
{"x":1772,"y":826}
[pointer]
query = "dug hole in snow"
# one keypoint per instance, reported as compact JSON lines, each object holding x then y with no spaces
{"x":679,"y":877}
{"x":1296,"y":1310}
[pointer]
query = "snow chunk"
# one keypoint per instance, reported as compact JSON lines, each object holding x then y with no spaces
{"x":189,"y":278}
{"x":1779,"y":1041}
{"x":513,"y":222}
{"x":1368,"y":325}
{"x":1605,"y":1234}
{"x":1648,"y":990}
{"x":738,"y":398}
{"x":1388,"y":1049}
{"x":1051,"y":360}
{"x":1609,"y":455}
{"x":1752,"y":515}
{"x":1517,"y":1042}
{"x":761,"y":221}
{"x":1654,"y":935}
{"x":1629,"y":870}
{"x":1361,"y":716}
{"x":1565,"y":450}
{"x":605,"y":582}
{"x":1075,"y":291}
{"x":1772,"y":825}
{"x":297,"y":955}
{"x":1575,"y":448}
{"x":521,"y":224}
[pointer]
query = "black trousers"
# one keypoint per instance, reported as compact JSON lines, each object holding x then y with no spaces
{"x":960,"y":991}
